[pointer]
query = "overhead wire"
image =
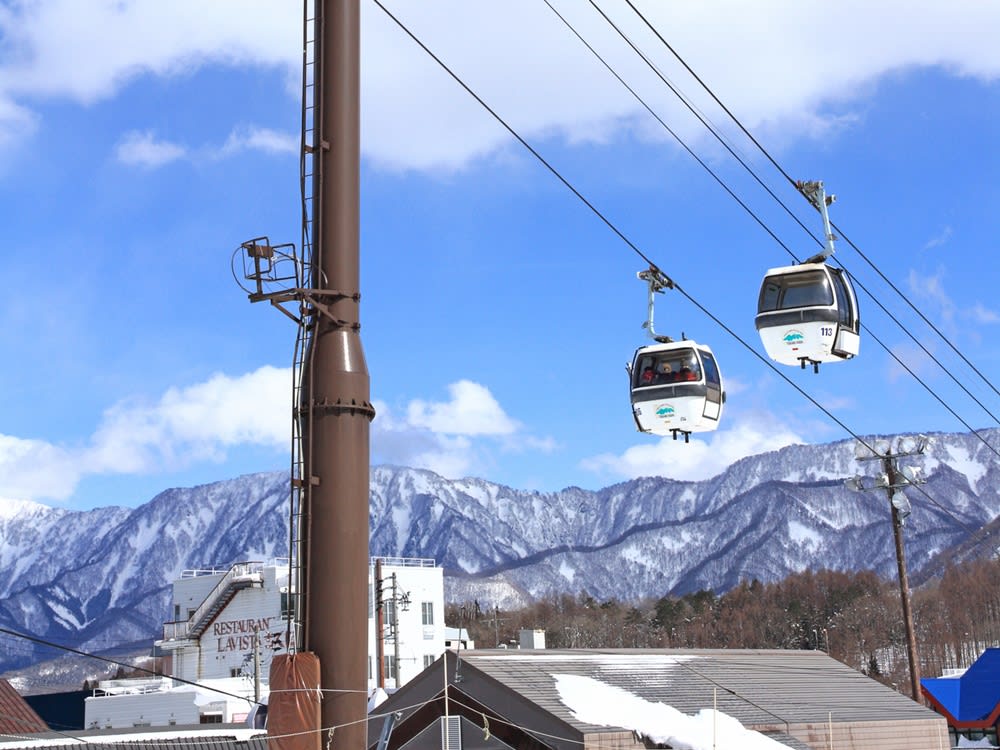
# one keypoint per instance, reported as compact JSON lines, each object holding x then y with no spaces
{"x":714,"y":130}
{"x":789,"y":178}
{"x":675,"y":90}
{"x":616,"y":231}
{"x":153,"y":673}
{"x":726,"y":187}
{"x":628,"y":242}
{"x":676,"y":137}
{"x":608,"y":223}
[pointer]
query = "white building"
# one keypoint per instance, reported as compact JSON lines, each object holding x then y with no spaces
{"x":414,"y":612}
{"x":158,"y":702}
{"x":229,"y":622}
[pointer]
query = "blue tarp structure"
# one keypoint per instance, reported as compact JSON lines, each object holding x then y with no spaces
{"x":973,"y":697}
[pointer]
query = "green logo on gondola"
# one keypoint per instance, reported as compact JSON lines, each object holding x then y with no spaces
{"x":665,"y":410}
{"x":793,"y":337}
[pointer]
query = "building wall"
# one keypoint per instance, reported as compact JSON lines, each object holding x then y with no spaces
{"x":177,"y":707}
{"x":226,"y":646}
{"x":874,"y":735}
{"x":419,"y":643}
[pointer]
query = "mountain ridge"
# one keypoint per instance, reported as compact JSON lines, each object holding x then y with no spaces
{"x":91,"y":579}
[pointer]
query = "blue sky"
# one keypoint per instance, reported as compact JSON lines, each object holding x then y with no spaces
{"x":141,"y":142}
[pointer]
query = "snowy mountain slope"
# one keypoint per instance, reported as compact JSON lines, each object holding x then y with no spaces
{"x":102,"y":577}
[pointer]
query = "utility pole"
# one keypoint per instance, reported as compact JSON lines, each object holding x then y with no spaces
{"x":332,"y":403}
{"x":256,"y":667}
{"x":337,"y":399}
{"x":399,"y":603}
{"x":891,"y":480}
{"x":379,"y":625}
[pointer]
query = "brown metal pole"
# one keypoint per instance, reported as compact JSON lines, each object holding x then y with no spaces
{"x":338,"y":392}
{"x":904,"y":584}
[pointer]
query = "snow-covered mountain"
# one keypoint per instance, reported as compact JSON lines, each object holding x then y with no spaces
{"x":101,"y":577}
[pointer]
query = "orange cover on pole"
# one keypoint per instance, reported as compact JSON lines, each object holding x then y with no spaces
{"x":293,"y":711}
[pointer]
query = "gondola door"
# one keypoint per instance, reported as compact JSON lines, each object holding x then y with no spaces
{"x":714,"y":395}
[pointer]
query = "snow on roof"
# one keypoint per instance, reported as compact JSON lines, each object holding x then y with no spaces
{"x":595,"y":702}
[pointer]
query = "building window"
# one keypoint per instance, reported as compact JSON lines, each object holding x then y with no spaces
{"x":177,"y":612}
{"x":389,"y":662}
{"x":428,"y":660}
{"x":210,"y":719}
{"x":235,"y":671}
{"x":427,"y":612}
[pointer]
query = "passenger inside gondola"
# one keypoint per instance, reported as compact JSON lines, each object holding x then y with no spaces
{"x":647,"y":376}
{"x":689,"y":371}
{"x":665,"y":373}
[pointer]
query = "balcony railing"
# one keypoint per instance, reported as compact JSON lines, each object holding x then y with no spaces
{"x":239,"y":576}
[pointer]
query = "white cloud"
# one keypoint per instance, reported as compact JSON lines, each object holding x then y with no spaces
{"x":203,"y":422}
{"x":254,"y":138}
{"x":938,"y":240}
{"x":454,"y":438}
{"x":397,"y":441}
{"x":562,"y":90}
{"x":704,"y":457}
{"x":142,"y":149}
{"x":34,"y":468}
{"x":472,"y":410}
{"x":14,"y":119}
{"x":930,"y":289}
{"x":185,"y":426}
{"x":516,"y":54}
{"x":88,"y":51}
{"x":196,"y":423}
{"x":979,"y":313}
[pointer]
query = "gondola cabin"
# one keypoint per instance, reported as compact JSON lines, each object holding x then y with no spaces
{"x":676,"y":389}
{"x":808,"y":314}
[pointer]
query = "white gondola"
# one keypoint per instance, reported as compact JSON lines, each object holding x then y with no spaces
{"x":676,"y":386}
{"x":676,"y":389}
{"x":808,"y":313}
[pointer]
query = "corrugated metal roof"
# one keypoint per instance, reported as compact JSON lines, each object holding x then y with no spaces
{"x":757,"y":687}
{"x":195,"y":737}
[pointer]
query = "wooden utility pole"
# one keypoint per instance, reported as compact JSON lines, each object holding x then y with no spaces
{"x":891,"y":481}
{"x":889,"y":467}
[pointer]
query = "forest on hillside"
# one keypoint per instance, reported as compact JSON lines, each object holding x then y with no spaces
{"x":855,"y":617}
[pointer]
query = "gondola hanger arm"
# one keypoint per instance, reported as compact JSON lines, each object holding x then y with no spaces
{"x":657,"y":281}
{"x":815,"y":193}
